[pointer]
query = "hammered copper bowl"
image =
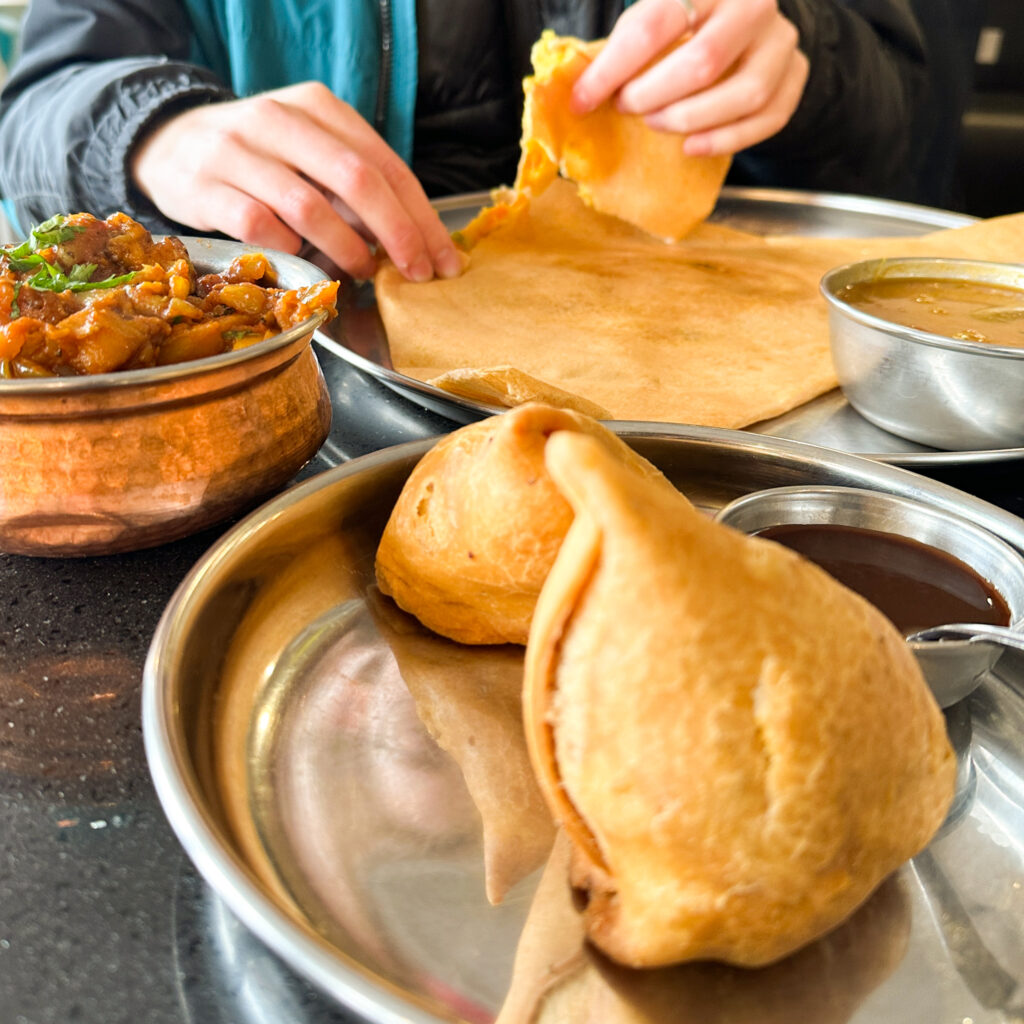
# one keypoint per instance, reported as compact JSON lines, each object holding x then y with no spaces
{"x":128,"y":460}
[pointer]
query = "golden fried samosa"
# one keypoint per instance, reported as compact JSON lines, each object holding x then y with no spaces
{"x":740,"y":748}
{"x":478,"y":524}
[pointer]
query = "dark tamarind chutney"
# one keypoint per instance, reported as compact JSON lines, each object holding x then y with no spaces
{"x":916,"y":585}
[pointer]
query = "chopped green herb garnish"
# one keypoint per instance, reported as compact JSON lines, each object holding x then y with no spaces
{"x":49,"y":278}
{"x":82,"y":271}
{"x":23,"y":263}
{"x":55,"y":231}
{"x":15,"y":308}
{"x":46,"y":275}
{"x":235,"y":335}
{"x":20,"y":251}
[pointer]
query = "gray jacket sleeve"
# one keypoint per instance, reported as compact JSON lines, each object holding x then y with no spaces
{"x":92,"y":75}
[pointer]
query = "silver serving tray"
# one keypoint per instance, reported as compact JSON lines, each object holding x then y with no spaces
{"x":355,"y":853}
{"x":358,"y":335}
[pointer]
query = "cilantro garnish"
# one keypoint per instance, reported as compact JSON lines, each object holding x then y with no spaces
{"x":48,"y":276}
{"x":55,"y":231}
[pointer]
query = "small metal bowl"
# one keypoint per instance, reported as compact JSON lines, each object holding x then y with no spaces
{"x":943,"y":392}
{"x":993,"y":559}
{"x":121,"y":461}
{"x":952,"y":671}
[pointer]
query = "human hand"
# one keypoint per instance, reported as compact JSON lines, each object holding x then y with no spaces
{"x":735,"y":82}
{"x":288,"y":165}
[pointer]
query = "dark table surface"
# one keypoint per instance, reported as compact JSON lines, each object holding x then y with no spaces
{"x":103,"y":918}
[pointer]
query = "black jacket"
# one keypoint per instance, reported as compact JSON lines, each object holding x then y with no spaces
{"x":94,"y":74}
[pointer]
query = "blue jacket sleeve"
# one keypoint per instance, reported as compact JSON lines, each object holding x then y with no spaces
{"x":92,"y":75}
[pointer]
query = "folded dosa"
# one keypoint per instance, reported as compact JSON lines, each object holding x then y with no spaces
{"x":620,"y":165}
{"x":739,"y":747}
{"x":721,"y":329}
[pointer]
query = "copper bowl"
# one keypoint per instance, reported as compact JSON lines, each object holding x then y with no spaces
{"x":121,"y":461}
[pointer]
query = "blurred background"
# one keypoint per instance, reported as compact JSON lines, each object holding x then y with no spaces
{"x":975,"y":136}
{"x":990,"y":163}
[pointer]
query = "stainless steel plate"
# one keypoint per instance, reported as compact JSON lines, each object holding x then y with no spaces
{"x":289,"y":758}
{"x":358,"y":335}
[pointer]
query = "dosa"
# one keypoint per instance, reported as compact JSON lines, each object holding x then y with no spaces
{"x":721,"y":329}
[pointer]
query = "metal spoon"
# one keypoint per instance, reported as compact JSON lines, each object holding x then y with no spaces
{"x":954,"y":658}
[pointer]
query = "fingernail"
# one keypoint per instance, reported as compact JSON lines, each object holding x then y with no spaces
{"x":449,"y":264}
{"x":421,"y":270}
{"x":695,"y":145}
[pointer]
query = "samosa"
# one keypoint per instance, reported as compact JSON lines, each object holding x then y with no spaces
{"x":740,"y":748}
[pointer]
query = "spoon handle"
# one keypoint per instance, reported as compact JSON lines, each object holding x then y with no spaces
{"x":973,"y":633}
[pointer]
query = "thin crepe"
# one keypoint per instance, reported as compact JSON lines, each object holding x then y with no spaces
{"x":722,"y":329}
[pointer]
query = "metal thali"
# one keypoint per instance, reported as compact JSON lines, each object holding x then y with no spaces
{"x":358,"y":335}
{"x":292,"y":763}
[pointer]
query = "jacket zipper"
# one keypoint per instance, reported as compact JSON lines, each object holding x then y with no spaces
{"x":380,"y":114}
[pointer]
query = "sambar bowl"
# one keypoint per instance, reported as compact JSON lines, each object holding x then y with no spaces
{"x":943,"y":392}
{"x":120,"y":461}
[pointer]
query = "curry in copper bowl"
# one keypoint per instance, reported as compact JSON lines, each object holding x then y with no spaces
{"x":149,"y":387}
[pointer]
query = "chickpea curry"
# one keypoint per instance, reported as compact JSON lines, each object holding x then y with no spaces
{"x":83,"y":296}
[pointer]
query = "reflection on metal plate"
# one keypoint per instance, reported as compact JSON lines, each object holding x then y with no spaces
{"x":292,"y":763}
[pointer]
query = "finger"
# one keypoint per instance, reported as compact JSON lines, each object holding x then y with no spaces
{"x":297,"y":206}
{"x":731,"y":29}
{"x":641,"y":33}
{"x":767,"y":122}
{"x":292,"y":137}
{"x":751,"y":87}
{"x":228,"y":209}
{"x":341,"y":122}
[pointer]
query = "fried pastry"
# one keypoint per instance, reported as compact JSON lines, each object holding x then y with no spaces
{"x":478,"y":524}
{"x":559,"y":978}
{"x":740,"y":748}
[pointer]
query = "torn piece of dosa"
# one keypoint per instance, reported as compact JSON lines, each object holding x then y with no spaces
{"x":508,"y":387}
{"x":721,"y":329}
{"x":621,"y":166}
